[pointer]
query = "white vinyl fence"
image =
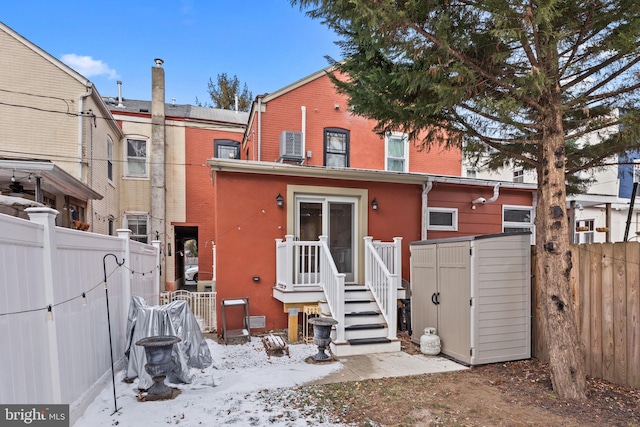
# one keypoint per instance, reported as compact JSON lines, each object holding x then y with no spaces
{"x":54,"y":338}
{"x":202,"y":305}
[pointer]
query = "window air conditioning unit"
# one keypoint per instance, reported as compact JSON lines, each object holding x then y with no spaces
{"x":291,"y":145}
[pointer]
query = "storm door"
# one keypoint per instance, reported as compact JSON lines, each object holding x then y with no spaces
{"x":334,"y":217}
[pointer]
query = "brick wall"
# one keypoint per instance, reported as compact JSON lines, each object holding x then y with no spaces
{"x":326,"y":108}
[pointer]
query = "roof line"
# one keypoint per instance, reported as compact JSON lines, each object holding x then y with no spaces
{"x":265,"y":98}
{"x":273,"y":168}
{"x":53,"y":60}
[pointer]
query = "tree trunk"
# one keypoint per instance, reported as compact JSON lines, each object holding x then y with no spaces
{"x":554,"y":266}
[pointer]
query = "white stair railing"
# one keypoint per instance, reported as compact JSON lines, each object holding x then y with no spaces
{"x":379,"y":279}
{"x":332,"y":283}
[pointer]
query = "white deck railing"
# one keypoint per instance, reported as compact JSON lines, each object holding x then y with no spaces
{"x":301,"y":265}
{"x":378,"y":277}
{"x":202,"y":305}
{"x":297,"y":263}
{"x":390,"y":253}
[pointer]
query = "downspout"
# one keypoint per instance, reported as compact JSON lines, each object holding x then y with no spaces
{"x":534,"y":204}
{"x":482,"y":200}
{"x":496,"y":193}
{"x":259,"y":128}
{"x":303,"y":129}
{"x":80,"y":116}
{"x":426,"y":187}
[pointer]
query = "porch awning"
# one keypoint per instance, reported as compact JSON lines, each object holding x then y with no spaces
{"x":54,"y":179}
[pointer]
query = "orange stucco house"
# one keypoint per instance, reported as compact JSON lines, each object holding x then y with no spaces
{"x":319,"y":212}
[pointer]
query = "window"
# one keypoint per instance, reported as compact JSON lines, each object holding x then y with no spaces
{"x":636,"y":170}
{"x":443,"y":219}
{"x":136,"y":157}
{"x":472,"y":173}
{"x":518,"y":175}
{"x":226,"y":149}
{"x":584,"y":231}
{"x":109,"y":159}
{"x":397,"y":152}
{"x":517,"y":218}
{"x":138,"y":226}
{"x":336,"y":148}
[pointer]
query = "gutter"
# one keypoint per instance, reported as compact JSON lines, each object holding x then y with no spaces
{"x":274,"y":168}
{"x":80,"y":117}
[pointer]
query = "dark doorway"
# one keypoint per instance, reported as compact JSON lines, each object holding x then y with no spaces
{"x":186,"y":257}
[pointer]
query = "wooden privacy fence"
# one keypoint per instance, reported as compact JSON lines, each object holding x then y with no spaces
{"x":605,"y":282}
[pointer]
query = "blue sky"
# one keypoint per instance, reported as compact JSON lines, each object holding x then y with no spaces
{"x":267,"y":44}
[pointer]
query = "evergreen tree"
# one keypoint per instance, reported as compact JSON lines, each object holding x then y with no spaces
{"x":223,"y":94}
{"x":520,"y":80}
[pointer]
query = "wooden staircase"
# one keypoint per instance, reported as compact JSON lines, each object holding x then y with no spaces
{"x":366,"y":331}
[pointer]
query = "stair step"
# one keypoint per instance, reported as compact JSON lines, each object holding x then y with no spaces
{"x":363,"y":341}
{"x":356,"y":301}
{"x":366,"y":327}
{"x":363,"y":313}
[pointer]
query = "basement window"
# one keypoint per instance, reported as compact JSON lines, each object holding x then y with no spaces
{"x":445,"y":219}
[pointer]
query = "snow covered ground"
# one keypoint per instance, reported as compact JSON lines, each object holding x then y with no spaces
{"x":243,"y":387}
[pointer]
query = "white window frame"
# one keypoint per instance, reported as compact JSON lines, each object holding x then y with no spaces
{"x":454,"y":219}
{"x":388,"y":157}
{"x":518,"y":175}
{"x":134,"y":236}
{"x":585,"y":236}
{"x":128,"y":173}
{"x":109,"y":159}
{"x":636,"y":170}
{"x":525,"y":226}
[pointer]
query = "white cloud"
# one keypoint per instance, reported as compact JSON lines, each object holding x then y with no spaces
{"x":89,"y":67}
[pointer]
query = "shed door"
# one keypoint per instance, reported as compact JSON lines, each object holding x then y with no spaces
{"x":454,"y":310}
{"x":424,"y":313}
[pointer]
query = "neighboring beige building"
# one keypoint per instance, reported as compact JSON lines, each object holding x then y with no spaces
{"x":165,"y":187}
{"x":58,"y":141}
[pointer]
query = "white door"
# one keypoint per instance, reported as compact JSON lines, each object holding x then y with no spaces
{"x":334,"y":217}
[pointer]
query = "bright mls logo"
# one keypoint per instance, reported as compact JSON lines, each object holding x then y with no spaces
{"x":34,"y":415}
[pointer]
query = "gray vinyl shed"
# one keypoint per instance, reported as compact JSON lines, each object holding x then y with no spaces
{"x":476,"y":292}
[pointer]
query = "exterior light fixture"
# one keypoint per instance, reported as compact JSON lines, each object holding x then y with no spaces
{"x":13,"y":177}
{"x":374,"y":204}
{"x":279,"y":200}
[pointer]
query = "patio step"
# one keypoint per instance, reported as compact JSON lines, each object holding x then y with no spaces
{"x":365,"y":341}
{"x":365,"y":330}
{"x":365,"y":346}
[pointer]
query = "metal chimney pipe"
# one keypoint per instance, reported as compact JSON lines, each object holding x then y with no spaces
{"x":120,"y":105}
{"x":159,"y":62}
